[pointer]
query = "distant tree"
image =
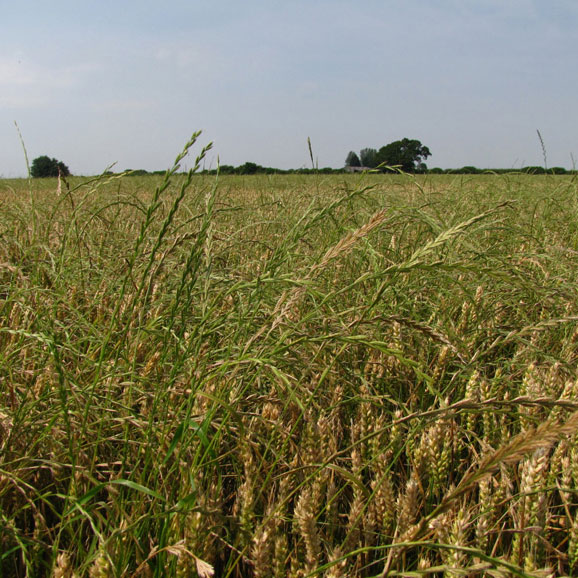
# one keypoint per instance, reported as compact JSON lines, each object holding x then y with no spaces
{"x":368,"y":158}
{"x":46,"y":167}
{"x":534,"y":170}
{"x":407,"y":154}
{"x":249,"y":169}
{"x":352,"y":160}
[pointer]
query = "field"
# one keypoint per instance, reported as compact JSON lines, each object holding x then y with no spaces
{"x":270,"y":376}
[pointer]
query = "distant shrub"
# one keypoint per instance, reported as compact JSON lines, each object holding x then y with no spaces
{"x":249,"y":169}
{"x":352,"y":160}
{"x":470,"y":170}
{"x":44,"y":166}
{"x":534,"y":170}
{"x":368,"y":157}
{"x":137,"y":172}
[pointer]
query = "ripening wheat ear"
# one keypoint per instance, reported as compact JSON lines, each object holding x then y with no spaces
{"x":305,"y":520}
{"x":542,"y":437}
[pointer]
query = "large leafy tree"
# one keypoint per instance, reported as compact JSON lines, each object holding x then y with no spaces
{"x":352,"y":160}
{"x":407,"y":154}
{"x":46,"y":167}
{"x":368,"y":158}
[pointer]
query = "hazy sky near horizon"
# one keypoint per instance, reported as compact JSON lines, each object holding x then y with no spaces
{"x":97,"y":83}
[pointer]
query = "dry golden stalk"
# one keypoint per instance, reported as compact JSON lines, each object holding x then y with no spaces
{"x":374,"y":369}
{"x":6,"y":425}
{"x":458,"y":536}
{"x":478,"y":298}
{"x":244,"y":504}
{"x":569,"y":351}
{"x":328,"y":434}
{"x":473,"y":392}
{"x":310,"y":443}
{"x":534,"y":471}
{"x":288,"y":300}
{"x":464,"y":318}
{"x":442,"y":448}
{"x":488,"y":420}
{"x":561,"y":470}
{"x":554,"y":383}
{"x":574,"y":460}
{"x":354,"y":519}
{"x":262,"y":551}
{"x":338,"y":568}
{"x":184,"y":567}
{"x":101,"y":567}
{"x":63,"y":568}
{"x":279,"y":564}
{"x":573,"y":545}
{"x":363,"y":423}
{"x":381,"y":509}
{"x":357,"y":507}
{"x":420,"y":454}
{"x":407,"y":505}
{"x":483,"y":520}
{"x":569,"y":393}
{"x":151,"y":363}
{"x":345,"y":244}
{"x":397,"y":431}
{"x":307,"y":525}
{"x":424,"y":562}
{"x":440,"y":366}
{"x":531,"y":387}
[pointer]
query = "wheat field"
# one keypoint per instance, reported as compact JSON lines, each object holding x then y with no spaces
{"x":271,"y":376}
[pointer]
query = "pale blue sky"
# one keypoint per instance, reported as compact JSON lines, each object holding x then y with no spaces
{"x":94,"y":83}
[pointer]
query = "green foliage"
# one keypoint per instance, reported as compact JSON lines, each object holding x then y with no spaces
{"x":352,"y":160}
{"x":543,"y":171}
{"x":470,"y":170}
{"x":534,"y":170}
{"x":226,"y":170}
{"x":249,"y":169}
{"x":45,"y":166}
{"x":368,"y":158}
{"x":407,"y":154}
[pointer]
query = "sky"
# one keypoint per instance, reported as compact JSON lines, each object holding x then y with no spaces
{"x":127,"y":82}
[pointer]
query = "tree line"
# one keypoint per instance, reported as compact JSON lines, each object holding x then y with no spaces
{"x":405,"y":155}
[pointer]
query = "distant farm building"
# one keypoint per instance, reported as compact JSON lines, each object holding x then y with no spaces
{"x":349,"y":169}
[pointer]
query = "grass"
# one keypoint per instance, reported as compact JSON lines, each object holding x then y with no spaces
{"x":357,"y":375}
